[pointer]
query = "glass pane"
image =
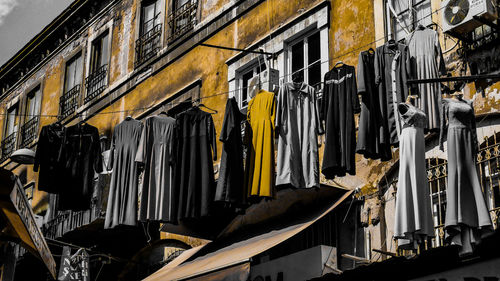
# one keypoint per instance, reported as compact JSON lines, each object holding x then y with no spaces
{"x":11,"y":121}
{"x":78,"y":70}
{"x":148,"y":15}
{"x":70,"y":76}
{"x":179,"y":3}
{"x":404,"y":21}
{"x":104,"y":50}
{"x":297,"y":61}
{"x":399,"y":5}
{"x":424,"y":10}
{"x":314,"y":56}
{"x":244,"y":90}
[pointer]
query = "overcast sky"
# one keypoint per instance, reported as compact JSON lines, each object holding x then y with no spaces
{"x":21,"y":20}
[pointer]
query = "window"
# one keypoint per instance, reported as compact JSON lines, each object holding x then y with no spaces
{"x":29,"y":129}
{"x":183,"y":18}
{"x":96,"y":82}
{"x":10,"y":129}
{"x":243,"y":83}
{"x":488,"y":160}
{"x":401,"y":17}
{"x":28,"y":190}
{"x":148,"y":44}
{"x":72,"y":84}
{"x":437,"y":177}
{"x":304,"y":60}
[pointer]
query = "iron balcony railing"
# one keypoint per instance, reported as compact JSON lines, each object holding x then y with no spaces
{"x":96,"y":83}
{"x":182,"y":20}
{"x":148,"y":45}
{"x":69,"y":102}
{"x":8,"y":146}
{"x":29,"y":131}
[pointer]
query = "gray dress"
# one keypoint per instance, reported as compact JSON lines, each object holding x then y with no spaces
{"x":467,"y":216}
{"x":156,"y":152}
{"x":413,"y":219}
{"x":426,"y":60}
{"x":122,"y":199}
{"x":298,"y":126}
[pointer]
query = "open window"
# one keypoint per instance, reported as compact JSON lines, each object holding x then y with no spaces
{"x":96,"y":81}
{"x":150,"y":28}
{"x":243,"y":78}
{"x":11,"y":125}
{"x":29,"y":129}
{"x":182,"y":18}
{"x":304,"y":59}
{"x":72,"y":84}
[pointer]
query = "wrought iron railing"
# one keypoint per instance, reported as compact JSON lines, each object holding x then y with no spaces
{"x":148,"y":45}
{"x":69,"y":102}
{"x":96,"y":83}
{"x":8,"y":146}
{"x":182,"y":20}
{"x":29,"y":131}
{"x":66,"y":221}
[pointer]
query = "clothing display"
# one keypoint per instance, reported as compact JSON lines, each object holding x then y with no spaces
{"x":340,"y":103}
{"x":156,"y":152}
{"x":259,"y":172}
{"x":413,"y":218}
{"x":122,"y":199}
{"x":230,"y":188}
{"x":298,"y":127}
{"x":196,"y":145}
{"x":47,"y":158}
{"x":467,"y":215}
{"x":427,"y":62}
{"x":82,"y":159}
{"x":370,"y":120}
{"x":391,"y":74}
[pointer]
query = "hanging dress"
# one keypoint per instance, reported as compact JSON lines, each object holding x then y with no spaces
{"x":298,"y":127}
{"x":122,"y":199}
{"x":156,"y":153}
{"x":413,"y":218}
{"x":260,"y":169}
{"x":391,"y":74}
{"x":370,"y":120}
{"x":340,"y":103}
{"x":230,"y":188}
{"x":196,"y":140}
{"x":426,"y":62}
{"x":467,"y":215}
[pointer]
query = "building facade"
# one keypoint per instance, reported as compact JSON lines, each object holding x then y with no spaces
{"x":100,"y":61}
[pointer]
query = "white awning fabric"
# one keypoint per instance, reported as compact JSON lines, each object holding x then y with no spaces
{"x":235,"y":258}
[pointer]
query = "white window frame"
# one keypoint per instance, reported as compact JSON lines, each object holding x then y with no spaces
{"x":304,"y":39}
{"x":254,"y":68}
{"x":90,"y":42}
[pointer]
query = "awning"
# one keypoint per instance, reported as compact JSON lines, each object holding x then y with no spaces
{"x":236,"y":257}
{"x":20,"y":219}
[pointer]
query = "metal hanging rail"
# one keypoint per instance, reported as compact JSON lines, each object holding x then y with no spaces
{"x":452,"y":79}
{"x":236,"y":49}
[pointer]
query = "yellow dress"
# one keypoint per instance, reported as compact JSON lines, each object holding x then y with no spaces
{"x":260,"y":172}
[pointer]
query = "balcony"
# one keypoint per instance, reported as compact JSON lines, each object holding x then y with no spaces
{"x":96,"y":82}
{"x":182,"y":20}
{"x":8,"y":146}
{"x":70,"y":221}
{"x":29,"y":131}
{"x":69,"y":102}
{"x":148,"y":45}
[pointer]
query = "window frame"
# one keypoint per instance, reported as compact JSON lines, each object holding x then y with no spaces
{"x":138,"y":27}
{"x":252,"y":66}
{"x":172,"y":8}
{"x":390,"y":22}
{"x":13,"y":106}
{"x":27,"y":116}
{"x":74,"y":57}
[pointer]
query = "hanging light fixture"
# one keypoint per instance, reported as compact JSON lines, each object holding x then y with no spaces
{"x":23,"y":156}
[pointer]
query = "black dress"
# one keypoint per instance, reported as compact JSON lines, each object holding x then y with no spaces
{"x":47,"y":158}
{"x":370,"y":121}
{"x":230,"y":188}
{"x":194,"y":168}
{"x":392,"y":66}
{"x":340,"y":102}
{"x":82,"y":156}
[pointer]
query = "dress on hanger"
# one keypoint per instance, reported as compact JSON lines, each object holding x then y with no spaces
{"x":259,"y":176}
{"x":47,"y":158}
{"x":230,"y":188}
{"x":340,"y":103}
{"x":122,"y":199}
{"x":370,"y":120}
{"x":196,"y":146}
{"x":467,"y":215}
{"x":413,"y":218}
{"x":156,"y":153}
{"x":427,"y":62}
{"x":298,"y":127}
{"x":391,"y":74}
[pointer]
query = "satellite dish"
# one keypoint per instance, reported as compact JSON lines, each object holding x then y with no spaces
{"x":456,"y":11}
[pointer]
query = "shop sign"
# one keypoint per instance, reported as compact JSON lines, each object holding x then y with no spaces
{"x":482,"y":271}
{"x":74,"y":268}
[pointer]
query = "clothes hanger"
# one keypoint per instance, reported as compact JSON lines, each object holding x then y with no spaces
{"x":371,"y":51}
{"x":421,"y":26}
{"x":197,"y":104}
{"x":339,"y":64}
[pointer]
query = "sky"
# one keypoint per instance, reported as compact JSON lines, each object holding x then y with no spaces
{"x":21,"y":20}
